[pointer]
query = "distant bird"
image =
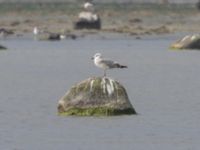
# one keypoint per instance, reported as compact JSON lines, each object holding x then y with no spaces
{"x":43,"y":34}
{"x":35,"y":31}
{"x":88,"y":6}
{"x":105,"y":64}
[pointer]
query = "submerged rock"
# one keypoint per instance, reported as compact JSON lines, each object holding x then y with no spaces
{"x":97,"y":96}
{"x":54,"y":36}
{"x":5,"y":32}
{"x":188,"y":42}
{"x":48,"y":36}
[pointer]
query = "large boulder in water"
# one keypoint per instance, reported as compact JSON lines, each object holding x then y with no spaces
{"x":187,"y":42}
{"x":96,"y":96}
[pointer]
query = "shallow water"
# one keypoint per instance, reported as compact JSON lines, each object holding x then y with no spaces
{"x":162,"y":85}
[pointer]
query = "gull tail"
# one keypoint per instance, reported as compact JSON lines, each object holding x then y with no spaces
{"x":121,"y":66}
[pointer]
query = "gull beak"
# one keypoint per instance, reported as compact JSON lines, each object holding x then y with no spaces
{"x":92,"y":58}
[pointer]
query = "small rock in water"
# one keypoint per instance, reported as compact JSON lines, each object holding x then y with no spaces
{"x":2,"y":47}
{"x":54,"y":36}
{"x":187,"y":42}
{"x":96,"y":96}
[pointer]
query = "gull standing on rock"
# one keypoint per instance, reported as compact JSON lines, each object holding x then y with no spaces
{"x":105,"y":64}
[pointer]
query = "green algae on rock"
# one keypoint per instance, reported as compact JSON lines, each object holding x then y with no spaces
{"x":187,"y":42}
{"x":96,"y":96}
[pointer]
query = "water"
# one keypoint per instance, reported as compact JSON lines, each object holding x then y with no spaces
{"x":104,"y":1}
{"x":162,"y":85}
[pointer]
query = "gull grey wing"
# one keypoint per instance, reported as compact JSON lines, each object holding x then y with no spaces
{"x":111,"y":64}
{"x":108,"y":63}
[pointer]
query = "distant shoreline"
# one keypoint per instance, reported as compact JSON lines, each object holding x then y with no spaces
{"x":132,"y":18}
{"x":102,"y":1}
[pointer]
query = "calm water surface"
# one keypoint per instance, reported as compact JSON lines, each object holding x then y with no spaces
{"x":162,"y":85}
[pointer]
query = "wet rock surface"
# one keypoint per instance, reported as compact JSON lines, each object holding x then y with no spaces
{"x":96,"y":96}
{"x":187,"y":42}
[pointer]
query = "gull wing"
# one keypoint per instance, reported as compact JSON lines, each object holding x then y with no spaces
{"x":108,"y":63}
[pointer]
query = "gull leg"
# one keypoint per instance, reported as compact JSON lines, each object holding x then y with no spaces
{"x":104,"y":73}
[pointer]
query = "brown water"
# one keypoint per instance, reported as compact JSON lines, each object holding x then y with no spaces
{"x":162,"y":85}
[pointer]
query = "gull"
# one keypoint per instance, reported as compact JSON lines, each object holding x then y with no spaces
{"x":35,"y":31}
{"x":88,"y":6}
{"x":105,"y":64}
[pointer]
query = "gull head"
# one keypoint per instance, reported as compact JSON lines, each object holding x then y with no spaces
{"x":97,"y":56}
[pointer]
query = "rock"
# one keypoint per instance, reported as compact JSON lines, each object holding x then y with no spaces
{"x":96,"y":96}
{"x":88,"y":20}
{"x":188,"y":42}
{"x":2,"y":47}
{"x":5,"y":32}
{"x":84,"y":24}
{"x":160,"y":30}
{"x":57,"y":37}
{"x":15,"y":23}
{"x":54,"y":37}
{"x":71,"y":36}
{"x":135,"y":20}
{"x":49,"y":37}
{"x":46,"y":35}
{"x":198,"y":5}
